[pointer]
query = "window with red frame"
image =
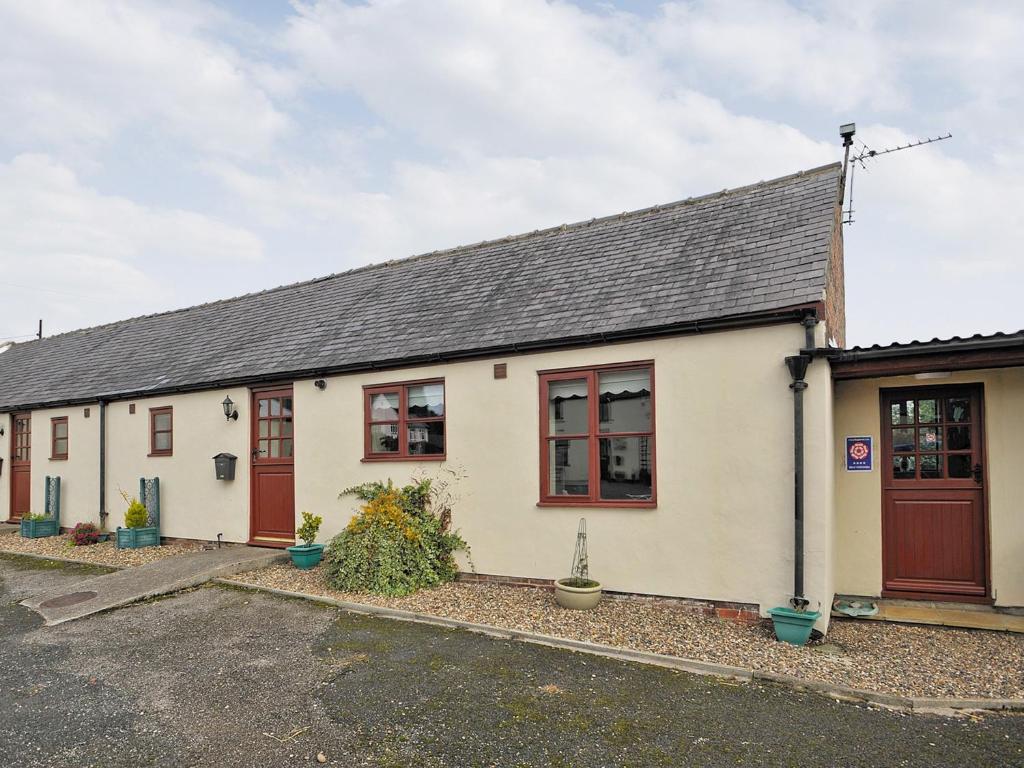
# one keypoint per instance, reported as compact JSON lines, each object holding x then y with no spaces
{"x":404,"y":421}
{"x":161,"y":431}
{"x":597,"y":436}
{"x":59,"y":437}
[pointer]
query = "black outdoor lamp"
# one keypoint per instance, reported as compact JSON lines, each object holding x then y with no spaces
{"x":229,"y":409}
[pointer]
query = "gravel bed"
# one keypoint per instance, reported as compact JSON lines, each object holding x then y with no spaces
{"x":104,"y":553}
{"x":900,"y":659}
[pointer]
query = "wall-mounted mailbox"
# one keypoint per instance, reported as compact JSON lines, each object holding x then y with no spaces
{"x":224,"y":463}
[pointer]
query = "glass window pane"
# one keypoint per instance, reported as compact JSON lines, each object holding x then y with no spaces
{"x":264,"y":448}
{"x":60,"y":446}
{"x":567,"y":407}
{"x":383,"y":438}
{"x":162,"y":441}
{"x":960,"y":465}
{"x":275,"y":428}
{"x":286,"y":407}
{"x":927,"y":411}
{"x":958,"y":438}
{"x":903,"y":412}
{"x":275,"y":406}
{"x":903,"y":467}
{"x":384,"y":406}
{"x":958,"y":409}
{"x":931,"y":467}
{"x":264,"y":428}
{"x":929,"y":439}
{"x":425,"y":400}
{"x":286,"y":447}
{"x":161,"y":421}
{"x":275,"y":449}
{"x":264,"y":408}
{"x":626,"y":468}
{"x":902,"y":440}
{"x":568,"y":467}
{"x":60,"y":429}
{"x":286,"y":427}
{"x":625,"y":401}
{"x":426,"y":438}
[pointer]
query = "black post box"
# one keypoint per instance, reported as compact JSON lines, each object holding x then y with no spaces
{"x":224,"y":463}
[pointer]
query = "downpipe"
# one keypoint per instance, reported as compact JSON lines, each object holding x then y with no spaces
{"x":103,"y":463}
{"x":797,"y":365}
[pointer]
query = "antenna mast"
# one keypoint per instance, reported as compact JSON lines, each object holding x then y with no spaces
{"x":847,"y":131}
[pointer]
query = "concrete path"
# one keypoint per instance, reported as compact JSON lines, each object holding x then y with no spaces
{"x":172,"y":574}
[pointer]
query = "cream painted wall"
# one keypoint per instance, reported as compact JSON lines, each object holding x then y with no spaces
{"x":79,"y":473}
{"x":723,"y":526}
{"x":193,"y":504}
{"x":858,"y":535}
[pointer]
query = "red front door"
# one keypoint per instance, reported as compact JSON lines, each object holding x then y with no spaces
{"x":272,"y":516}
{"x":21,"y":465}
{"x":933,"y":499}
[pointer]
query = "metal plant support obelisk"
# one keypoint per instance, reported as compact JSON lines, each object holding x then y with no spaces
{"x":580,"y":568}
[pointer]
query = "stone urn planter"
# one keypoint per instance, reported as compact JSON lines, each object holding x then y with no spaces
{"x":578,"y":598}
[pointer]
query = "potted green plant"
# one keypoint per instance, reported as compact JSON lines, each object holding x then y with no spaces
{"x":137,"y":532}
{"x":38,"y":526}
{"x":793,"y":625}
{"x":307,"y":554}
{"x":579,"y":591}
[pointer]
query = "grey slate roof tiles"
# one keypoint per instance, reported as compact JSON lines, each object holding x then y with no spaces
{"x":749,"y":250}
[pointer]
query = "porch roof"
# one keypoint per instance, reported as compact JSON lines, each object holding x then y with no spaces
{"x":997,"y":350}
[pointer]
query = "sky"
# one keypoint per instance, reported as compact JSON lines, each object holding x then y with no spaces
{"x":157,"y":155}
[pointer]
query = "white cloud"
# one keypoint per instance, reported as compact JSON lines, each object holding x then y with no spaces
{"x":77,"y":256}
{"x":76,"y":75}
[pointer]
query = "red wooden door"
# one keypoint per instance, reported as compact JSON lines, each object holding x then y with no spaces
{"x":21,"y":465}
{"x":934,"y":542}
{"x":272,"y":514}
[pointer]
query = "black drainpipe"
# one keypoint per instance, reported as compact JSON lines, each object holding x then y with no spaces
{"x":797,"y":365}
{"x":103,"y":463}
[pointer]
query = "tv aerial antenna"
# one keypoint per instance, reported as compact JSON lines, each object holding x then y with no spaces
{"x":865,"y":154}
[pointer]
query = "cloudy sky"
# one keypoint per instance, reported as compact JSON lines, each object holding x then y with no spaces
{"x":157,"y":155}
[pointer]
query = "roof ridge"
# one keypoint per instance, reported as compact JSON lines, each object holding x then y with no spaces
{"x":537,"y":233}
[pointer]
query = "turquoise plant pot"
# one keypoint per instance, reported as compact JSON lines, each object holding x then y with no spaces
{"x":306,"y":556}
{"x":136,"y":538}
{"x":792,"y":626}
{"x":37,"y":529}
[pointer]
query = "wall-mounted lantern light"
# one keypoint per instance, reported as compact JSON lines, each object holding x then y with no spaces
{"x":320,"y":384}
{"x":1,"y":431}
{"x":229,"y":409}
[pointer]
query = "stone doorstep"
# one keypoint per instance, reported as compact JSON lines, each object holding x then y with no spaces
{"x":931,"y":705}
{"x":965,"y":616}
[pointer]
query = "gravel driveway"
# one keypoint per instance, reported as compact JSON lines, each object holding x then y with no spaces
{"x":230,"y":678}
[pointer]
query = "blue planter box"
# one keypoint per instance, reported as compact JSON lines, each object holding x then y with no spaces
{"x":305,"y":557}
{"x":793,"y":627}
{"x":37,"y":529}
{"x":134,"y":538}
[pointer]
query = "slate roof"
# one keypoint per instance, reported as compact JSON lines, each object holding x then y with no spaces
{"x":742,"y":252}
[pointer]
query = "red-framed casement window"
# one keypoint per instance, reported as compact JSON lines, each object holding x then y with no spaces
{"x":161,"y":431}
{"x":597,"y":436}
{"x":59,"y":437}
{"x":404,"y":421}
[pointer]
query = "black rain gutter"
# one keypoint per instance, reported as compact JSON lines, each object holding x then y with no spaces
{"x":103,"y":462}
{"x":798,"y":365}
{"x":771,"y":317}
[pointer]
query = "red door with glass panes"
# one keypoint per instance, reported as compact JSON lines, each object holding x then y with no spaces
{"x":272,"y":515}
{"x":21,"y":473}
{"x":934,"y":542}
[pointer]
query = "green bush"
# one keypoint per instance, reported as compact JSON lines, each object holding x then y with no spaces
{"x":400,"y":542}
{"x":308,"y":530}
{"x":29,"y":517}
{"x":137,"y":516}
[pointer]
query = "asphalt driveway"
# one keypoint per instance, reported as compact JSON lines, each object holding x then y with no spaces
{"x":230,"y":678}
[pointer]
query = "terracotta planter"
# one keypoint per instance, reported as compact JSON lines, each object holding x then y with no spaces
{"x":577,"y":598}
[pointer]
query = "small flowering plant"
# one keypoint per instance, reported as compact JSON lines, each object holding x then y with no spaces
{"x":84,"y":534}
